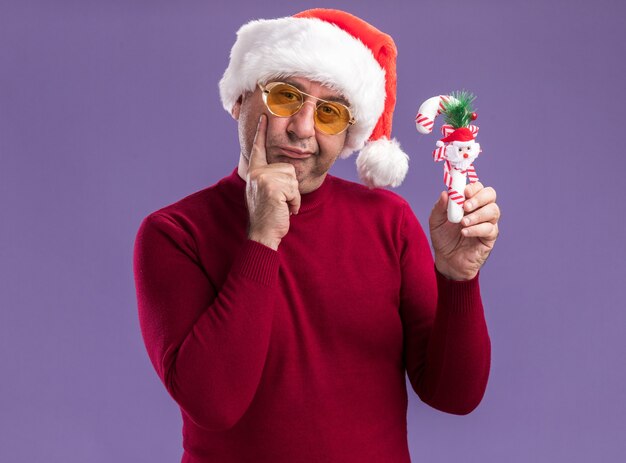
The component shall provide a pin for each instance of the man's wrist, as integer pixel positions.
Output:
(269, 242)
(452, 275)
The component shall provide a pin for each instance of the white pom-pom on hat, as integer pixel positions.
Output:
(382, 163)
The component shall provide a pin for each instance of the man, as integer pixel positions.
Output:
(282, 306)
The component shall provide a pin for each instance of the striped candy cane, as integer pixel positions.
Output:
(449, 174)
(454, 179)
(429, 110)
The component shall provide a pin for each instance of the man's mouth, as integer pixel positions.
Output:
(294, 153)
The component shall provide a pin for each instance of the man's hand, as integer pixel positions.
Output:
(271, 192)
(462, 248)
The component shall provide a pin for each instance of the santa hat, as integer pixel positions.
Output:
(339, 51)
(460, 134)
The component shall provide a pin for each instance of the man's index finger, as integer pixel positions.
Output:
(258, 157)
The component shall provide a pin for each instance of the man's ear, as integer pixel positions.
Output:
(237, 108)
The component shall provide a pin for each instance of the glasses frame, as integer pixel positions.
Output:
(265, 90)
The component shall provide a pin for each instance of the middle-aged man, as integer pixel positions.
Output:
(282, 306)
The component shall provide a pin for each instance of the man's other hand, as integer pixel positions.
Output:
(272, 193)
(462, 248)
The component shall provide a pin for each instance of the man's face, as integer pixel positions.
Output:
(292, 139)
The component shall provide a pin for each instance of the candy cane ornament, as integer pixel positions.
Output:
(458, 147)
(429, 110)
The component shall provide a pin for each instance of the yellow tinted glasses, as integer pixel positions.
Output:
(284, 100)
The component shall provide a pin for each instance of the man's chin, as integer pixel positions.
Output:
(300, 165)
(307, 182)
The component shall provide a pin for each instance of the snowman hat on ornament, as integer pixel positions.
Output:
(341, 52)
(460, 134)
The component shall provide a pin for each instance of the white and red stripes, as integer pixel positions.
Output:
(454, 195)
(471, 174)
(425, 122)
(428, 112)
(439, 153)
(442, 100)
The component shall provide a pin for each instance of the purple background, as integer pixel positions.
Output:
(109, 110)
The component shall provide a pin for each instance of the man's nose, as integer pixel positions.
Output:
(465, 155)
(302, 124)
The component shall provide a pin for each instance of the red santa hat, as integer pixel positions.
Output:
(460, 134)
(342, 52)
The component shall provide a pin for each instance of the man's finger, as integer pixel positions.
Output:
(258, 156)
(283, 168)
(486, 231)
(480, 198)
(472, 188)
(439, 213)
(290, 191)
(488, 213)
(294, 202)
(442, 202)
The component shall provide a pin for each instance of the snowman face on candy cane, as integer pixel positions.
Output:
(461, 154)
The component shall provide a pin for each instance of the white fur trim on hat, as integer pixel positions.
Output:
(313, 49)
(382, 163)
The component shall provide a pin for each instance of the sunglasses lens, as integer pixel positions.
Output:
(331, 118)
(284, 100)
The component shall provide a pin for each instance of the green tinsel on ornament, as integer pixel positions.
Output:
(459, 113)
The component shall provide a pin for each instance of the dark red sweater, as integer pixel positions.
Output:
(299, 355)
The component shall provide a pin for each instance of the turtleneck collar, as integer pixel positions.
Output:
(235, 188)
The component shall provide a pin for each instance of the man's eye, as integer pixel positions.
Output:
(289, 95)
(328, 109)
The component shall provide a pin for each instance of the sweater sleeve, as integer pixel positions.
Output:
(446, 343)
(207, 346)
